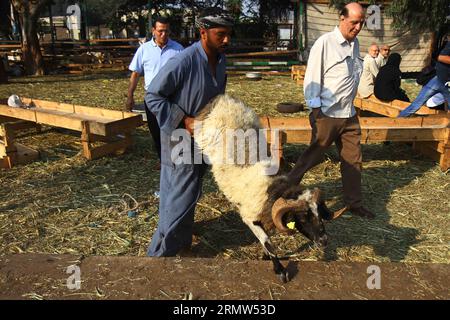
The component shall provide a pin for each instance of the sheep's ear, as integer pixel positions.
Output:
(326, 214)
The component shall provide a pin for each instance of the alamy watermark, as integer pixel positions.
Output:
(230, 147)
(73, 282)
(374, 280)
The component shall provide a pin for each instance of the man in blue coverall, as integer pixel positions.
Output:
(185, 85)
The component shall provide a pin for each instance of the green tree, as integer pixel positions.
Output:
(420, 15)
(417, 15)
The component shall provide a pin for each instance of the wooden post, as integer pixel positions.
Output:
(86, 140)
(444, 161)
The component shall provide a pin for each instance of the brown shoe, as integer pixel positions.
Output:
(362, 212)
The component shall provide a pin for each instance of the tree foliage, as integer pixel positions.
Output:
(419, 15)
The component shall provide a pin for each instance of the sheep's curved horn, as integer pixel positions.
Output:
(279, 208)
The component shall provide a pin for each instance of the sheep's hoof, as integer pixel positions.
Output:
(266, 257)
(284, 276)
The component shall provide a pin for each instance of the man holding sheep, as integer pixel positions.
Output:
(184, 87)
(331, 82)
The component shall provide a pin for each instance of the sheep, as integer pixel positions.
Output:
(264, 202)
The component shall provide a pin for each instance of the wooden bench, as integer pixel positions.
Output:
(432, 131)
(390, 109)
(87, 68)
(298, 73)
(437, 150)
(112, 128)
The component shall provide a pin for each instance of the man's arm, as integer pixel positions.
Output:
(134, 79)
(444, 59)
(168, 113)
(313, 76)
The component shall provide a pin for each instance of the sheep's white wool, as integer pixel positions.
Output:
(227, 117)
(244, 185)
(307, 196)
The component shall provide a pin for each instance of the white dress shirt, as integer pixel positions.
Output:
(370, 71)
(332, 75)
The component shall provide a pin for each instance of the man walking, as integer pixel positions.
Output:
(184, 87)
(331, 81)
(149, 59)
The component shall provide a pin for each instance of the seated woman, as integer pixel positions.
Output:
(388, 80)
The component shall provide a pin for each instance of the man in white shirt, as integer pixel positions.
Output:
(148, 60)
(383, 55)
(370, 71)
(331, 81)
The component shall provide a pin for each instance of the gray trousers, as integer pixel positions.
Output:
(180, 189)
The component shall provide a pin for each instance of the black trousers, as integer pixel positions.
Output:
(155, 131)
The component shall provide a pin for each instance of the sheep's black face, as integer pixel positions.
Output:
(311, 226)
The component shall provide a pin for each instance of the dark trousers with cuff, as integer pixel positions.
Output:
(346, 134)
(155, 130)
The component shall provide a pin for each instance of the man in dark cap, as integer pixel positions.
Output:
(185, 85)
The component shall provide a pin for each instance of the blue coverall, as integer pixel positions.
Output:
(185, 85)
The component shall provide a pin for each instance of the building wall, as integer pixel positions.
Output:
(415, 49)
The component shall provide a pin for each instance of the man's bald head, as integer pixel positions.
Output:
(385, 51)
(374, 50)
(351, 20)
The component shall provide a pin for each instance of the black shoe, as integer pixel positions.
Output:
(362, 212)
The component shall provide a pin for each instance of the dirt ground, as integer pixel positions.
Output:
(42, 276)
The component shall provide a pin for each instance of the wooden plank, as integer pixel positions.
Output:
(391, 109)
(101, 112)
(267, 73)
(7, 119)
(298, 130)
(7, 136)
(427, 150)
(26, 154)
(118, 126)
(21, 155)
(58, 119)
(97, 113)
(49, 105)
(411, 123)
(22, 125)
(262, 53)
(70, 116)
(109, 148)
(6, 162)
(401, 134)
(17, 113)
